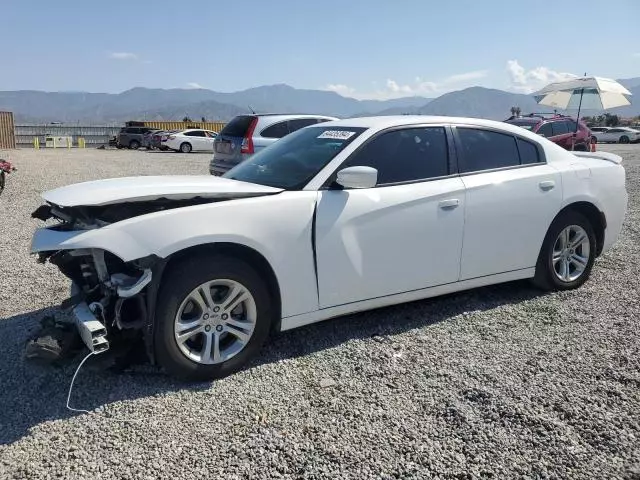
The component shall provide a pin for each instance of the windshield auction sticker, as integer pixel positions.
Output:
(337, 134)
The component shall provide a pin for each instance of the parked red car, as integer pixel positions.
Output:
(560, 129)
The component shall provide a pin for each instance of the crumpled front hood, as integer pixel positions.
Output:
(145, 188)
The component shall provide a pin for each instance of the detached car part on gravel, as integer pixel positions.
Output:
(335, 218)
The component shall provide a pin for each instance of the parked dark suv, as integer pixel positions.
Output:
(559, 129)
(132, 137)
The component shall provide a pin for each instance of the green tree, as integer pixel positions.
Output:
(186, 119)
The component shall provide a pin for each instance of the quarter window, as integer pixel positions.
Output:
(277, 130)
(405, 155)
(301, 123)
(485, 150)
(528, 152)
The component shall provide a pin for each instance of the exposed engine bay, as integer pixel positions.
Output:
(110, 298)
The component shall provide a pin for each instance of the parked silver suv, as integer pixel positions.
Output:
(247, 134)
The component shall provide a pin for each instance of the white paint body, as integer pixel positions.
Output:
(198, 143)
(372, 246)
(615, 135)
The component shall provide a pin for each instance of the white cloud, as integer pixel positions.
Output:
(194, 85)
(419, 87)
(528, 81)
(340, 89)
(123, 56)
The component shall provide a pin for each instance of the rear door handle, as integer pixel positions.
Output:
(449, 204)
(547, 185)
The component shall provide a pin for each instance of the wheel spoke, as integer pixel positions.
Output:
(239, 334)
(564, 270)
(182, 327)
(577, 240)
(565, 237)
(245, 325)
(207, 347)
(216, 348)
(557, 256)
(236, 296)
(187, 334)
(579, 261)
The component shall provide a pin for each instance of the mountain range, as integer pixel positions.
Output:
(173, 104)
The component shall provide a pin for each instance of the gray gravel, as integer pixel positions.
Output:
(500, 382)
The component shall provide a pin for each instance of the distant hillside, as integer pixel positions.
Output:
(173, 104)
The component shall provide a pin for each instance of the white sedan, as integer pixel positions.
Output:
(335, 218)
(193, 140)
(618, 135)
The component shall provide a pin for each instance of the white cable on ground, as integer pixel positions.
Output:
(80, 410)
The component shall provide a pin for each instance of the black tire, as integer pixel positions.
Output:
(624, 139)
(177, 284)
(134, 144)
(185, 147)
(545, 275)
(2, 180)
(594, 139)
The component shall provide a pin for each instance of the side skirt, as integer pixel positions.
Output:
(296, 321)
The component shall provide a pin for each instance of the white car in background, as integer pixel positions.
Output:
(618, 135)
(332, 219)
(192, 140)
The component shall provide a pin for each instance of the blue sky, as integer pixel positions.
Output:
(365, 49)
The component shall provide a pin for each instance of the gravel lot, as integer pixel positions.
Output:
(500, 382)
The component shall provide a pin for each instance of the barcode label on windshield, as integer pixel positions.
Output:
(337, 134)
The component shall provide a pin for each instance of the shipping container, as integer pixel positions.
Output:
(7, 130)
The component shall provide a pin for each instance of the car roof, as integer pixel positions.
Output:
(384, 122)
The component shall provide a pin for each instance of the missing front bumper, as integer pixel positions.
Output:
(91, 330)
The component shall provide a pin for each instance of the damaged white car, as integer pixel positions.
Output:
(336, 218)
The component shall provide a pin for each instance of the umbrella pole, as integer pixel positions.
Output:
(575, 134)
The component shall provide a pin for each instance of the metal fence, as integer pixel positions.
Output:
(93, 135)
(7, 138)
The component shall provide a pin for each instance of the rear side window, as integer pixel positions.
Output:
(571, 125)
(560, 128)
(301, 123)
(528, 152)
(238, 126)
(195, 133)
(485, 150)
(277, 130)
(545, 130)
(405, 155)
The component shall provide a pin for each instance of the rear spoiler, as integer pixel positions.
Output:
(609, 157)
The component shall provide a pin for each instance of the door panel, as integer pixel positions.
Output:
(385, 240)
(507, 216)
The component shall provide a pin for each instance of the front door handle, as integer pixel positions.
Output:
(547, 185)
(449, 204)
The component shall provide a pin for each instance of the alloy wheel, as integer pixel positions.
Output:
(571, 253)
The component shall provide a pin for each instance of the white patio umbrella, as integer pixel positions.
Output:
(593, 93)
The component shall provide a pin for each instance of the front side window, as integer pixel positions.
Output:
(545, 130)
(405, 155)
(559, 128)
(292, 162)
(485, 150)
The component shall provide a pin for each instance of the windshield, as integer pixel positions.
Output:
(291, 162)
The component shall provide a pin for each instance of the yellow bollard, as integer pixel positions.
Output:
(36, 143)
(69, 142)
(54, 142)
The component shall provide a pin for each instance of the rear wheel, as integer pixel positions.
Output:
(624, 139)
(185, 147)
(134, 144)
(214, 314)
(567, 254)
(2, 178)
(594, 139)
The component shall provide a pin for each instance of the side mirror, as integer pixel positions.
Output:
(357, 177)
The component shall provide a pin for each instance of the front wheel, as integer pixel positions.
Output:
(134, 144)
(567, 254)
(2, 180)
(624, 139)
(214, 314)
